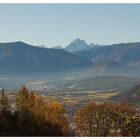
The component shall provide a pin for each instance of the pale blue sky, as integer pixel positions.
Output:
(59, 24)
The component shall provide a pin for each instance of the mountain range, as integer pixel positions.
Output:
(19, 57)
(120, 57)
(127, 54)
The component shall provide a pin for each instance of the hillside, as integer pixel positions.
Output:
(123, 58)
(132, 96)
(18, 57)
(120, 83)
(125, 53)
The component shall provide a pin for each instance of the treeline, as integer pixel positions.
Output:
(33, 116)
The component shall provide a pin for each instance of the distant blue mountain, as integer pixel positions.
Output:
(57, 47)
(77, 45)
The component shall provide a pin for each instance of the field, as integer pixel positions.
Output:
(73, 98)
(76, 98)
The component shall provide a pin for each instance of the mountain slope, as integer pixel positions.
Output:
(127, 54)
(121, 58)
(110, 67)
(132, 96)
(120, 83)
(20, 57)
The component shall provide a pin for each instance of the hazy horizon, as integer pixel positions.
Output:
(42, 45)
(59, 24)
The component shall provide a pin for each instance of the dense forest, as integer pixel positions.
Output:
(33, 116)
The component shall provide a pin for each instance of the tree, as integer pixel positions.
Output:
(93, 120)
(22, 99)
(33, 113)
(4, 102)
(56, 114)
(108, 119)
(5, 114)
(123, 115)
(133, 126)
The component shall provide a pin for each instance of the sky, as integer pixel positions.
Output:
(59, 24)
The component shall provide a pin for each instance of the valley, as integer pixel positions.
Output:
(71, 77)
(72, 100)
(69, 69)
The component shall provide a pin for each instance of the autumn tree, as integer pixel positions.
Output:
(36, 117)
(133, 125)
(93, 120)
(22, 99)
(124, 118)
(56, 114)
(108, 119)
